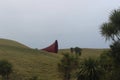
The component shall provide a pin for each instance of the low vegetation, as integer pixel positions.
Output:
(5, 69)
(28, 62)
(67, 66)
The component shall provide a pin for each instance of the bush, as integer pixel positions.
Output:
(5, 69)
(67, 65)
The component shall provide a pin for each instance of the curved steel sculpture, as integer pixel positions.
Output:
(52, 48)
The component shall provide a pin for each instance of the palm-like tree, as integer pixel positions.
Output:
(107, 31)
(111, 30)
(115, 18)
(89, 70)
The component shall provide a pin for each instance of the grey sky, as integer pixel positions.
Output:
(37, 23)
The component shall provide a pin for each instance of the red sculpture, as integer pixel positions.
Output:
(52, 48)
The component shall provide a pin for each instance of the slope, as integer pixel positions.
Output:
(29, 62)
(6, 42)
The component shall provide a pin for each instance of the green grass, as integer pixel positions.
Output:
(86, 52)
(7, 42)
(29, 62)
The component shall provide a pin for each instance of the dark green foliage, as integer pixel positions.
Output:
(111, 31)
(107, 64)
(67, 65)
(5, 69)
(71, 50)
(115, 18)
(80, 76)
(90, 70)
(106, 61)
(115, 55)
(115, 52)
(77, 50)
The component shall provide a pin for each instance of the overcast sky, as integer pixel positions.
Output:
(38, 23)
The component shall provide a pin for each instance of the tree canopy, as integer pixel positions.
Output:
(111, 29)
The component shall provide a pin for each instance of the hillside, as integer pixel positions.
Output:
(29, 62)
(6, 42)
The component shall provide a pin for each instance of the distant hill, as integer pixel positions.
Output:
(7, 42)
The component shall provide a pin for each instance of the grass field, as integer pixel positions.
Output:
(86, 52)
(29, 62)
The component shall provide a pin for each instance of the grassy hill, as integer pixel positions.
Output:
(6, 42)
(29, 62)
